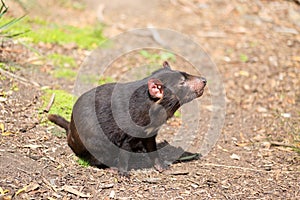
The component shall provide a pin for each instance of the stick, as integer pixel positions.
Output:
(70, 189)
(21, 79)
(282, 144)
(47, 109)
(10, 50)
(233, 167)
(49, 184)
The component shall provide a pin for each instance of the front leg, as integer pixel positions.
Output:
(125, 154)
(123, 163)
(150, 146)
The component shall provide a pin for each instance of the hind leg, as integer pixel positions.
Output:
(95, 162)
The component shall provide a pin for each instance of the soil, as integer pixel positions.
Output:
(256, 47)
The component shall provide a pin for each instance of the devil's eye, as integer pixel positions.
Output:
(182, 81)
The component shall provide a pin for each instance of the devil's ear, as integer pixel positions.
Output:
(155, 88)
(166, 65)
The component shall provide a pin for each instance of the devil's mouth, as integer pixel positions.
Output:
(200, 92)
(192, 96)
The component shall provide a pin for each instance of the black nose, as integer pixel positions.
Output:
(203, 80)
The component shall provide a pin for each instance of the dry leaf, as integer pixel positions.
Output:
(2, 99)
(219, 147)
(31, 187)
(235, 157)
(107, 186)
(28, 188)
(209, 107)
(70, 189)
(261, 109)
(19, 191)
(152, 180)
(296, 58)
(2, 127)
(7, 133)
(3, 191)
(286, 115)
(244, 73)
(266, 145)
(112, 194)
(242, 136)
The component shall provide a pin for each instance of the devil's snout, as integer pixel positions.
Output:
(203, 80)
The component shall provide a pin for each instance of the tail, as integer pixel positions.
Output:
(60, 121)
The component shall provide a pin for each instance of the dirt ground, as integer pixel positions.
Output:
(256, 47)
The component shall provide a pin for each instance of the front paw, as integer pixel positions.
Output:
(160, 167)
(124, 174)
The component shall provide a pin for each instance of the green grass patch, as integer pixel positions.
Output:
(296, 149)
(63, 103)
(62, 60)
(83, 162)
(88, 79)
(9, 67)
(65, 73)
(254, 44)
(14, 87)
(156, 57)
(152, 58)
(62, 106)
(177, 114)
(106, 79)
(2, 78)
(95, 80)
(64, 66)
(38, 30)
(4, 26)
(76, 5)
(244, 58)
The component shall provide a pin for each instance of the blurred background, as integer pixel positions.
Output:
(255, 45)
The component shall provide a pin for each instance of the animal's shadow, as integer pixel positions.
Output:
(168, 154)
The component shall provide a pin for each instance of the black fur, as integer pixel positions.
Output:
(127, 115)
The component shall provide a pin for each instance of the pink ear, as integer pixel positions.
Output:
(155, 88)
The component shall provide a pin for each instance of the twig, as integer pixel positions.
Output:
(154, 34)
(156, 37)
(107, 186)
(286, 30)
(233, 167)
(70, 189)
(282, 145)
(192, 181)
(10, 50)
(49, 185)
(177, 173)
(47, 109)
(21, 79)
(247, 168)
(22, 170)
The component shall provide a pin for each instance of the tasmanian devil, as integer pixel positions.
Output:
(113, 120)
